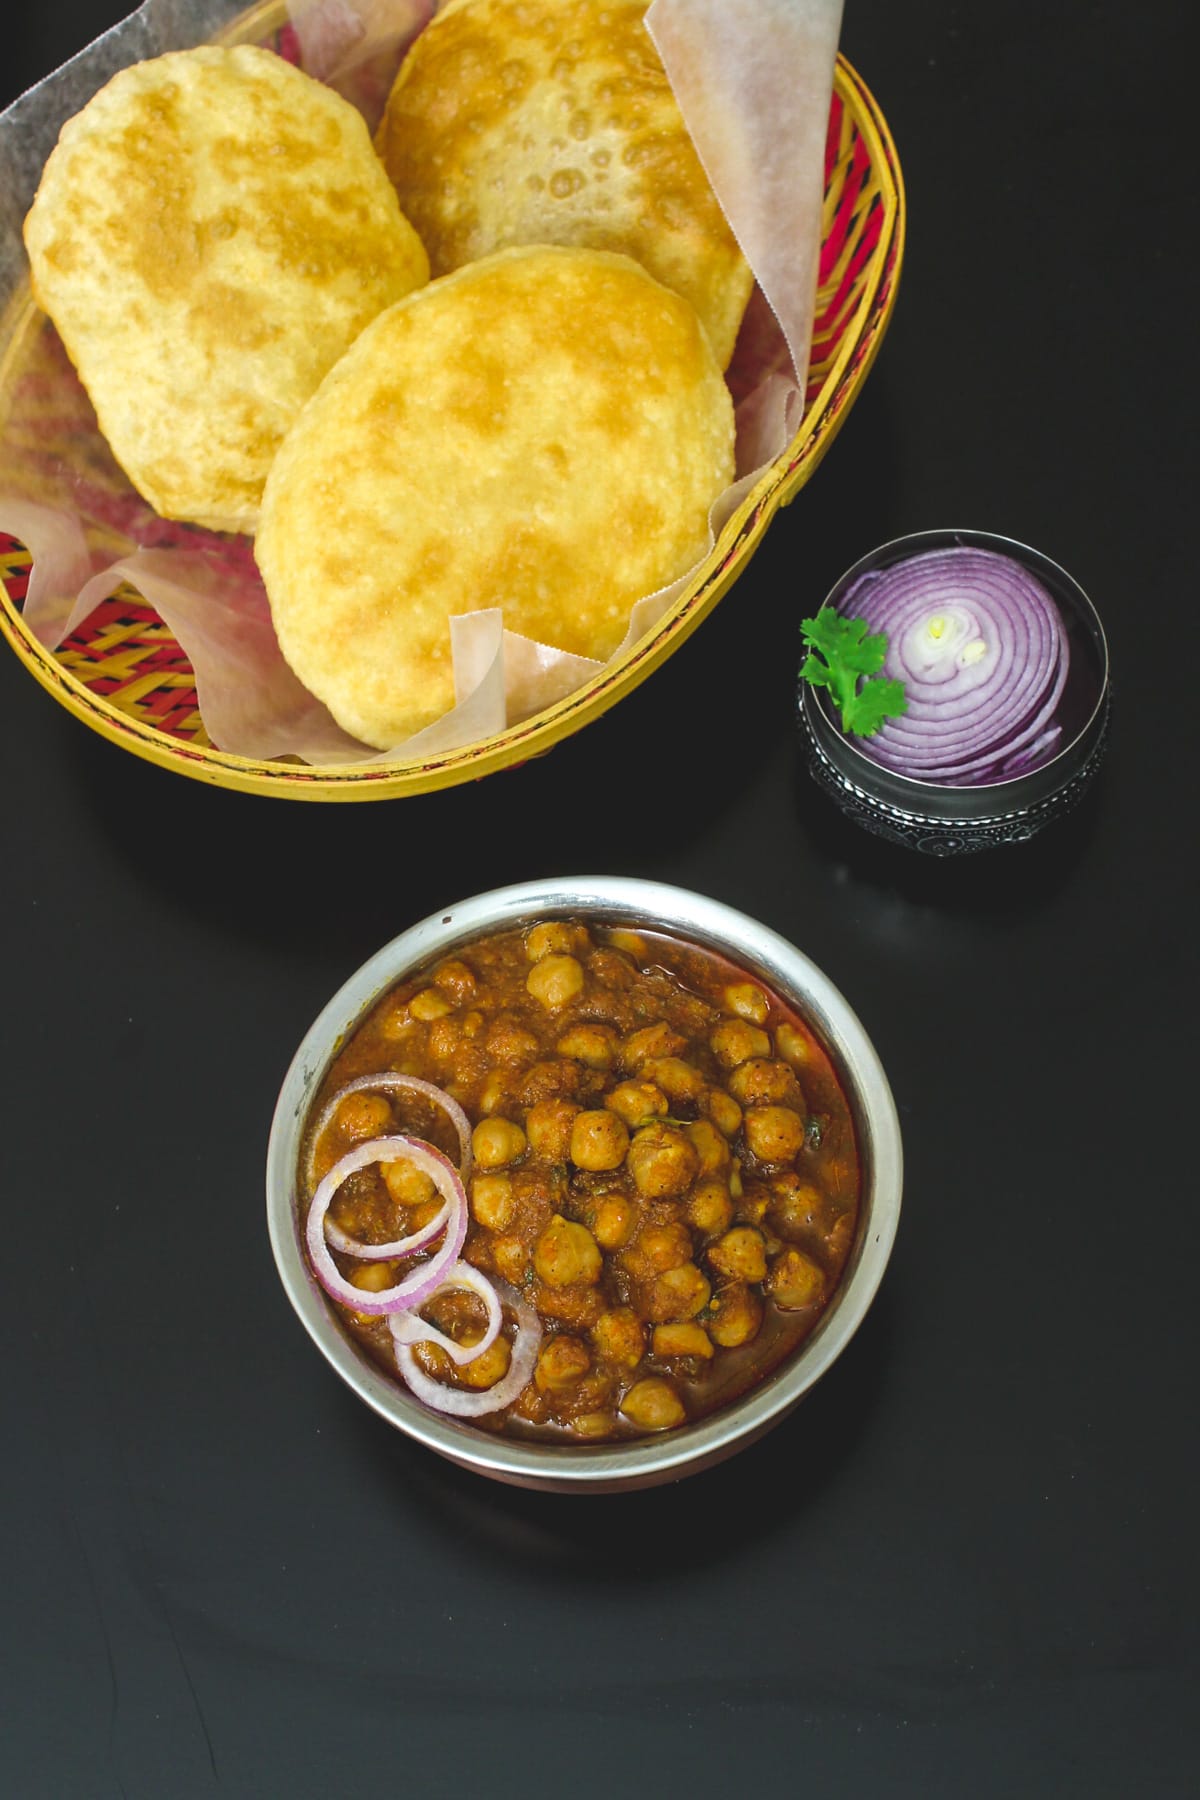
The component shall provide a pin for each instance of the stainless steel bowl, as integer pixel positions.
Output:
(953, 821)
(599, 1468)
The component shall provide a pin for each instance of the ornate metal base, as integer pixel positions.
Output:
(943, 837)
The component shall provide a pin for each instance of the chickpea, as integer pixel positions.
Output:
(631, 942)
(444, 1036)
(429, 1004)
(662, 1162)
(754, 1203)
(548, 1128)
(497, 1141)
(472, 1024)
(637, 1102)
(613, 1223)
(553, 937)
(407, 1185)
(455, 979)
(775, 1134)
(740, 1254)
(373, 1277)
(564, 1360)
(709, 1207)
(363, 1116)
(554, 1080)
(747, 1001)
(619, 1337)
(677, 1079)
(797, 1206)
(599, 1141)
(393, 1022)
(665, 1247)
(733, 1042)
(653, 1404)
(566, 1254)
(555, 981)
(709, 1146)
(795, 1282)
(576, 1308)
(511, 1257)
(687, 1339)
(793, 1046)
(594, 1425)
(508, 1042)
(651, 1040)
(593, 1045)
(489, 1368)
(737, 1316)
(679, 1294)
(761, 1082)
(496, 1091)
(493, 1201)
(724, 1111)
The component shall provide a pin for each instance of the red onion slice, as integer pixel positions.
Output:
(391, 1081)
(416, 1287)
(411, 1328)
(337, 1239)
(467, 1404)
(982, 651)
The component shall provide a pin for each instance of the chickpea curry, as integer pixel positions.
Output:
(655, 1170)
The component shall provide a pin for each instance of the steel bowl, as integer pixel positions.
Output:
(652, 906)
(935, 817)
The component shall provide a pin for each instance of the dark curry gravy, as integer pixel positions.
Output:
(665, 1167)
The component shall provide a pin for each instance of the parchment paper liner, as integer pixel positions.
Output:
(753, 79)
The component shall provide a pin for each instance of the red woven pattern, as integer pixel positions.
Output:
(124, 653)
(851, 224)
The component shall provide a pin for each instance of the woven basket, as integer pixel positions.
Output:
(124, 675)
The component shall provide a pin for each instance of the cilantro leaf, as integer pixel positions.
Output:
(841, 654)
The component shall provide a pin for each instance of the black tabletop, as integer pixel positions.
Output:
(967, 1564)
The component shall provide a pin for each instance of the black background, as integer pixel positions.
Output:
(967, 1565)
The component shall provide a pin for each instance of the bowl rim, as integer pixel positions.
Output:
(732, 550)
(874, 778)
(755, 947)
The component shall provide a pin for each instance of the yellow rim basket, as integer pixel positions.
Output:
(125, 677)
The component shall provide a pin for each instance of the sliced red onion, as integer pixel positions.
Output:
(424, 1280)
(337, 1239)
(982, 651)
(466, 1403)
(391, 1081)
(411, 1328)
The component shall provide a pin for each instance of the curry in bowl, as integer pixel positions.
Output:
(579, 1183)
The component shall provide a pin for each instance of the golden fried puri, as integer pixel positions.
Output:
(552, 122)
(543, 431)
(212, 231)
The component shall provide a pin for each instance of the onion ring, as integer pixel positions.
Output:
(392, 1081)
(337, 1239)
(470, 1405)
(411, 1328)
(425, 1279)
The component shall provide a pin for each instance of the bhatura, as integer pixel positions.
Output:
(212, 231)
(553, 122)
(543, 431)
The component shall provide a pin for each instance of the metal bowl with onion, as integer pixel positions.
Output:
(951, 819)
(651, 906)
